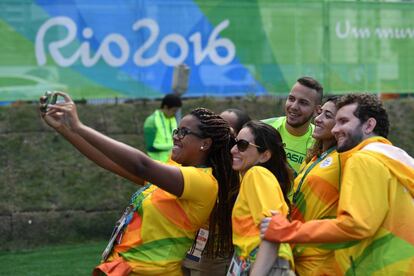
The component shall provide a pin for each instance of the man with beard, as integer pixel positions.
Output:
(302, 104)
(373, 230)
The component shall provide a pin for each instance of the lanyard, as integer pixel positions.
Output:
(320, 158)
(138, 196)
(136, 201)
(126, 218)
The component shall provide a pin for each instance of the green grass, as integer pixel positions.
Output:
(67, 198)
(79, 259)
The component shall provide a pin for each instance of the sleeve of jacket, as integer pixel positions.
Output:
(363, 205)
(150, 131)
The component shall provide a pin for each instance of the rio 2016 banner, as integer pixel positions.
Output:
(129, 49)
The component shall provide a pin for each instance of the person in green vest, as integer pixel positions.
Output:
(303, 103)
(158, 128)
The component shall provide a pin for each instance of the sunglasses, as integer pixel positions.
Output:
(242, 145)
(182, 132)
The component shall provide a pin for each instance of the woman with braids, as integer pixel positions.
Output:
(316, 193)
(200, 262)
(260, 158)
(161, 221)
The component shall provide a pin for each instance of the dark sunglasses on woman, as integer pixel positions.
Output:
(242, 145)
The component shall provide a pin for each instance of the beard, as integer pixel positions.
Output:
(300, 123)
(354, 139)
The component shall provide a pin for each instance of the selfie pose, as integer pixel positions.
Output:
(161, 220)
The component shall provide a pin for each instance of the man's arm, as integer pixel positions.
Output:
(363, 205)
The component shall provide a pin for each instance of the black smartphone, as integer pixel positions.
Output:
(51, 98)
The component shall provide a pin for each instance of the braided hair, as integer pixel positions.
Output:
(219, 158)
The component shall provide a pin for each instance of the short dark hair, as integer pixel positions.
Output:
(368, 106)
(311, 83)
(242, 117)
(171, 100)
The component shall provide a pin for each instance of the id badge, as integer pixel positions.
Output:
(199, 244)
(235, 268)
(119, 227)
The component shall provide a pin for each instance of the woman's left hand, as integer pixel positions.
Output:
(63, 113)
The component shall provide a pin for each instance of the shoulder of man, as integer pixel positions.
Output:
(150, 120)
(388, 151)
(275, 122)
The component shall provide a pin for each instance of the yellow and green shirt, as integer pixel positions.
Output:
(163, 228)
(259, 194)
(373, 232)
(316, 191)
(296, 146)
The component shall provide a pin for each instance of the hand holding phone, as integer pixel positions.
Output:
(50, 98)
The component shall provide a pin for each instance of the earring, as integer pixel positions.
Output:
(201, 147)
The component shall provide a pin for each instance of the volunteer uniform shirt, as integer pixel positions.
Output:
(158, 135)
(316, 191)
(162, 230)
(375, 213)
(296, 146)
(259, 194)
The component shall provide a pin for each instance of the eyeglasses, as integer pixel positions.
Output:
(242, 145)
(182, 132)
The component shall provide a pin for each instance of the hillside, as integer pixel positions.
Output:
(51, 193)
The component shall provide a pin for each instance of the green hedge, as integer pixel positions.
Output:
(50, 193)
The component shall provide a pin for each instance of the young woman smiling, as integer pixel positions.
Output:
(162, 218)
(316, 193)
(198, 262)
(260, 158)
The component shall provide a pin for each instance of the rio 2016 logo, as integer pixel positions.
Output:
(88, 59)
